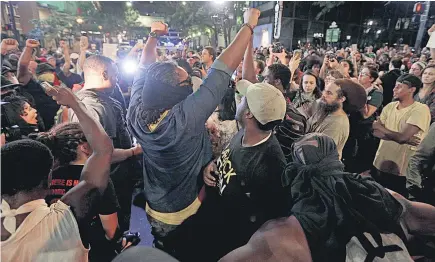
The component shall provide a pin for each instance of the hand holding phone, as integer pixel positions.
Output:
(297, 54)
(49, 89)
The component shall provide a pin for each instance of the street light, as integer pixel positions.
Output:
(370, 22)
(219, 2)
(79, 20)
(129, 4)
(184, 3)
(378, 32)
(100, 27)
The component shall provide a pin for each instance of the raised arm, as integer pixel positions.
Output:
(184, 52)
(149, 53)
(324, 68)
(7, 45)
(95, 173)
(200, 105)
(248, 72)
(84, 44)
(65, 51)
(24, 74)
(135, 49)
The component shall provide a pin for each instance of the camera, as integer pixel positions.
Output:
(331, 57)
(12, 133)
(277, 47)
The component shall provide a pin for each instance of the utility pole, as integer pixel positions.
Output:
(12, 20)
(422, 28)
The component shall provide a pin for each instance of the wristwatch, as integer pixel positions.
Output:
(153, 35)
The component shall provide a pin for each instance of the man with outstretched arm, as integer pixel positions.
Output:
(168, 120)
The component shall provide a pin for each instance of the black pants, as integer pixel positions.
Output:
(390, 181)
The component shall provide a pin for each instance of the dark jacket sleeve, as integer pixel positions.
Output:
(423, 161)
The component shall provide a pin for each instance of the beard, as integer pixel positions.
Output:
(326, 109)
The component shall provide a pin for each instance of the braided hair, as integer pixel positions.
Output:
(63, 141)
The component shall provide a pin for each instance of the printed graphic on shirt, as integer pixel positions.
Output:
(59, 187)
(225, 170)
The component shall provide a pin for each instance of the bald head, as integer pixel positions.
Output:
(100, 72)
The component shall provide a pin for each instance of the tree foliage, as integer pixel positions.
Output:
(113, 17)
(326, 7)
(207, 17)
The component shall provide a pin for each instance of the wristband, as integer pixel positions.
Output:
(250, 27)
(153, 35)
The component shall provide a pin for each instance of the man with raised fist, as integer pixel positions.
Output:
(168, 120)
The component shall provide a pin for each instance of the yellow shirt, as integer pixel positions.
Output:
(393, 157)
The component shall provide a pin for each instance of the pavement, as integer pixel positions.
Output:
(139, 223)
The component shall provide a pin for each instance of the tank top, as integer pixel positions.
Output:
(46, 234)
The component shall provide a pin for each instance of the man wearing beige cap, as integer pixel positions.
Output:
(245, 182)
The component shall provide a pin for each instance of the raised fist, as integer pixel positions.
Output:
(9, 44)
(251, 16)
(84, 44)
(63, 44)
(159, 28)
(32, 43)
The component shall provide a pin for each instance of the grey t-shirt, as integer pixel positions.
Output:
(336, 127)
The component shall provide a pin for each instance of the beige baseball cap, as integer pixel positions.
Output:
(265, 101)
(74, 56)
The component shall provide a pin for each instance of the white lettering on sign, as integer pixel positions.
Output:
(278, 18)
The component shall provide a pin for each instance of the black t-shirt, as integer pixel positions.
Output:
(45, 105)
(69, 81)
(248, 192)
(66, 177)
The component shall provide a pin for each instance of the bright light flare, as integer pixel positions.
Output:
(129, 4)
(129, 66)
(219, 2)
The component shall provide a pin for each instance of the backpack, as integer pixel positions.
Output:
(364, 248)
(290, 129)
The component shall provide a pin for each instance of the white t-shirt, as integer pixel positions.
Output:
(48, 234)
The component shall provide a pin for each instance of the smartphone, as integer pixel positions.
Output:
(354, 47)
(48, 87)
(297, 53)
(332, 57)
(140, 41)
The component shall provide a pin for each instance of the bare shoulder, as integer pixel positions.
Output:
(277, 240)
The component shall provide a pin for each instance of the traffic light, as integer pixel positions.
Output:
(418, 8)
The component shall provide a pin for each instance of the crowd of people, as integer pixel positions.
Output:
(242, 153)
